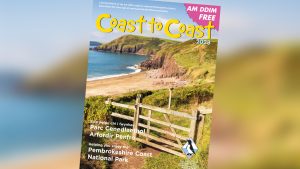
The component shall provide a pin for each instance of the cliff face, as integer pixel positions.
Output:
(154, 63)
(172, 58)
(167, 65)
(187, 59)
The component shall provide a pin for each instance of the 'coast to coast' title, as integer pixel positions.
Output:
(138, 25)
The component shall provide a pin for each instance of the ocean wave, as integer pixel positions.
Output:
(135, 68)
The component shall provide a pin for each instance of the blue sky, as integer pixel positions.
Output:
(34, 33)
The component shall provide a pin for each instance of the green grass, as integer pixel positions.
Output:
(199, 161)
(148, 45)
(198, 61)
(163, 161)
(96, 109)
(184, 99)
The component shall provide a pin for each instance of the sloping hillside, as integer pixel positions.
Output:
(136, 44)
(188, 59)
(173, 59)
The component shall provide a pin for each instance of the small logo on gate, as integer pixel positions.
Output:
(190, 148)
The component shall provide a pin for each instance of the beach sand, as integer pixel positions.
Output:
(128, 83)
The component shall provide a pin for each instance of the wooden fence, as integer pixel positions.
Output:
(171, 146)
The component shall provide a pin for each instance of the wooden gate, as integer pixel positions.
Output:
(174, 147)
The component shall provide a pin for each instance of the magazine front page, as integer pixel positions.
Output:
(150, 85)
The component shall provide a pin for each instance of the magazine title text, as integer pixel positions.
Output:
(173, 28)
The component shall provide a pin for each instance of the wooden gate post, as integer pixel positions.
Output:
(170, 98)
(136, 116)
(148, 124)
(203, 112)
(200, 127)
(193, 126)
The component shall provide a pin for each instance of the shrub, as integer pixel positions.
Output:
(96, 109)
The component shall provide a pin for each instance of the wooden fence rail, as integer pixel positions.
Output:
(168, 145)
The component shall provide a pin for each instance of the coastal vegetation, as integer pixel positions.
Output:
(187, 59)
(184, 99)
(136, 44)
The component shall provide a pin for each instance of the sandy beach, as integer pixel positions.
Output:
(128, 83)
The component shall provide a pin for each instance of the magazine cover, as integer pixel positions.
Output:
(150, 85)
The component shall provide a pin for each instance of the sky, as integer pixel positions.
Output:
(35, 34)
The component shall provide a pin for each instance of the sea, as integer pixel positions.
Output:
(102, 65)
